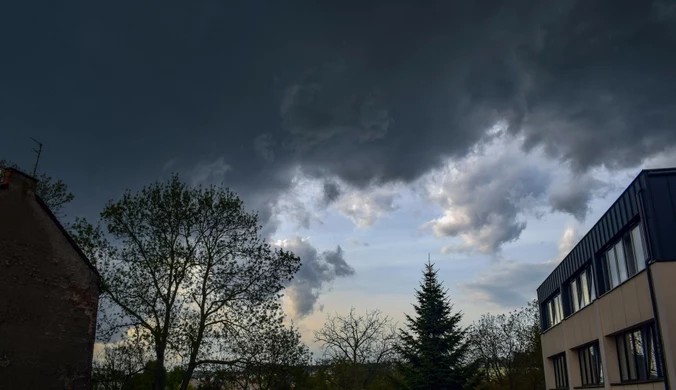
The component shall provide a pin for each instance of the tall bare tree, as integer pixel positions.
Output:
(188, 266)
(368, 338)
(359, 345)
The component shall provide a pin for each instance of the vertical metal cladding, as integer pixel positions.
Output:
(659, 192)
(662, 198)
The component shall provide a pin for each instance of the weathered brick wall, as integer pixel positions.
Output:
(48, 300)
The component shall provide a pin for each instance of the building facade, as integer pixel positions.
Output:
(608, 310)
(49, 295)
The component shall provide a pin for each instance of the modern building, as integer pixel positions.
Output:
(608, 310)
(49, 295)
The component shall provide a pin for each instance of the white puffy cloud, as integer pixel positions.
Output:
(485, 196)
(365, 207)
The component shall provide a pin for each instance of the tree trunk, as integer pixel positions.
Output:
(188, 375)
(159, 369)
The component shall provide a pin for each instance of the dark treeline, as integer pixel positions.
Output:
(191, 298)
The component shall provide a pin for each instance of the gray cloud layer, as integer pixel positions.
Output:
(511, 283)
(316, 271)
(594, 87)
(366, 93)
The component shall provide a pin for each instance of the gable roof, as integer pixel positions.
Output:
(4, 184)
(67, 235)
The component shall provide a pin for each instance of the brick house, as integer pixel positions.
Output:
(49, 294)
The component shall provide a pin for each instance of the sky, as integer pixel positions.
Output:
(488, 135)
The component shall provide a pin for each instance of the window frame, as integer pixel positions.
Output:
(629, 358)
(591, 372)
(554, 310)
(581, 289)
(560, 371)
(623, 258)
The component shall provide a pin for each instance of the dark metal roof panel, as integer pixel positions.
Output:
(615, 218)
(660, 191)
(661, 205)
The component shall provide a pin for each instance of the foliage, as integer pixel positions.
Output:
(54, 192)
(188, 267)
(273, 357)
(434, 348)
(345, 375)
(508, 346)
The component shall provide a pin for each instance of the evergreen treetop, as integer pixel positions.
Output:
(434, 348)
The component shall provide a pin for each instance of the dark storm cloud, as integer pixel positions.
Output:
(573, 196)
(331, 192)
(368, 92)
(591, 82)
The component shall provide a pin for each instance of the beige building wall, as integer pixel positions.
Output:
(621, 308)
(664, 283)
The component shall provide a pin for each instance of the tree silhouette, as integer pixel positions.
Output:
(434, 348)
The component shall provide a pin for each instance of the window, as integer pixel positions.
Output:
(560, 372)
(638, 353)
(638, 251)
(582, 289)
(625, 258)
(590, 365)
(554, 310)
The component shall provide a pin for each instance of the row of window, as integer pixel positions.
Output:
(638, 355)
(620, 262)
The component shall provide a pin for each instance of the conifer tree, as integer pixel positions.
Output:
(434, 348)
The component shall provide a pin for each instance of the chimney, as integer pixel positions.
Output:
(17, 180)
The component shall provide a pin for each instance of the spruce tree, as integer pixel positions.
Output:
(434, 349)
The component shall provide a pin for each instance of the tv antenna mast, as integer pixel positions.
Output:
(38, 151)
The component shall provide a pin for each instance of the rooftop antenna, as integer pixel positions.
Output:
(38, 151)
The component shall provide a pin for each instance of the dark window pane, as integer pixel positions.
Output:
(584, 286)
(641, 361)
(560, 374)
(592, 365)
(631, 355)
(629, 254)
(639, 254)
(551, 313)
(639, 354)
(583, 366)
(653, 369)
(574, 295)
(559, 308)
(622, 356)
(621, 261)
(599, 364)
(612, 268)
